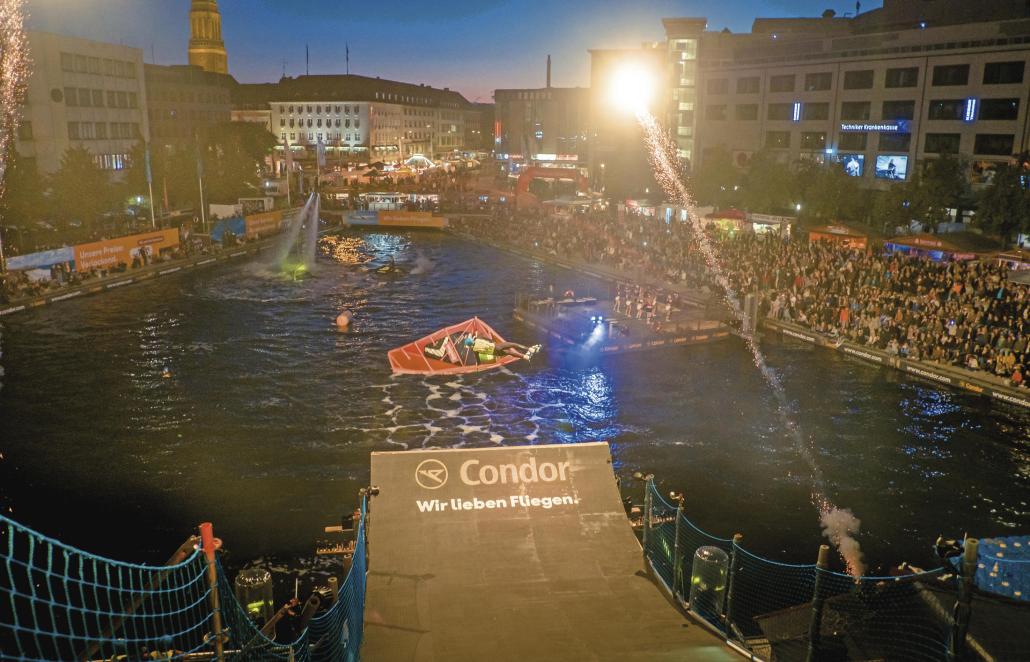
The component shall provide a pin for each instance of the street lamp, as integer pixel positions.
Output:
(798, 207)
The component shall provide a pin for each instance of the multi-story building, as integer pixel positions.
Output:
(880, 92)
(548, 120)
(183, 101)
(358, 118)
(479, 127)
(82, 93)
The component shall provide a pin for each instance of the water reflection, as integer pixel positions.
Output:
(267, 420)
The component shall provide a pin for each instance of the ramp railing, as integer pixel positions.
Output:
(61, 603)
(782, 611)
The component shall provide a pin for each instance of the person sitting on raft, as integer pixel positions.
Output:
(488, 348)
(444, 350)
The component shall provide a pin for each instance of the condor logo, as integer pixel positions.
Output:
(431, 474)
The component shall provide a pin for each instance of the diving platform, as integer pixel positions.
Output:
(592, 326)
(513, 553)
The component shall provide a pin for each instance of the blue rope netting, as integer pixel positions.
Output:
(766, 606)
(61, 603)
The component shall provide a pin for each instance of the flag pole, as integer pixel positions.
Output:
(150, 184)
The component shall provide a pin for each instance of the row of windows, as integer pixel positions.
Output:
(330, 137)
(102, 130)
(111, 161)
(83, 64)
(87, 98)
(156, 93)
(173, 115)
(317, 110)
(934, 143)
(994, 73)
(938, 109)
(318, 123)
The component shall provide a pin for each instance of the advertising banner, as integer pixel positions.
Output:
(122, 250)
(263, 225)
(41, 259)
(234, 225)
(410, 219)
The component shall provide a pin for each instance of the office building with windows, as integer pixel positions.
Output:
(81, 93)
(183, 102)
(547, 120)
(358, 118)
(879, 93)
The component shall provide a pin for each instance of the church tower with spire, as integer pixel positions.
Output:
(207, 50)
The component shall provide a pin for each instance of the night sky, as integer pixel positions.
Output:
(473, 46)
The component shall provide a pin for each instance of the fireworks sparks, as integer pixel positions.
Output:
(838, 524)
(14, 69)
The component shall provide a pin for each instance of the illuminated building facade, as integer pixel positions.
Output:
(361, 119)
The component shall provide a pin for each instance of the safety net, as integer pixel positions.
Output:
(61, 603)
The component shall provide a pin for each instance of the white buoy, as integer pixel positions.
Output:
(343, 320)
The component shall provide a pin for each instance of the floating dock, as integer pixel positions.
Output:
(591, 326)
(513, 553)
(401, 220)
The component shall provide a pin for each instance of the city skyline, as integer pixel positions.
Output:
(418, 43)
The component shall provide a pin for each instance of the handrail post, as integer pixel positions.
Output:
(815, 626)
(210, 545)
(646, 518)
(730, 583)
(334, 588)
(677, 562)
(963, 606)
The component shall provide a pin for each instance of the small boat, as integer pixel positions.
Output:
(456, 358)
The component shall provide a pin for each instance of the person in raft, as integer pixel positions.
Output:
(444, 350)
(487, 348)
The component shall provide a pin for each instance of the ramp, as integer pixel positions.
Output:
(513, 553)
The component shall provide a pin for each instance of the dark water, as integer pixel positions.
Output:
(266, 423)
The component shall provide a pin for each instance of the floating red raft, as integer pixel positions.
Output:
(411, 359)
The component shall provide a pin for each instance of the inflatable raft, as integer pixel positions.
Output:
(447, 353)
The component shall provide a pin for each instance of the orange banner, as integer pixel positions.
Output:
(411, 219)
(264, 224)
(122, 250)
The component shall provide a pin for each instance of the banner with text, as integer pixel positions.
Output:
(264, 225)
(122, 250)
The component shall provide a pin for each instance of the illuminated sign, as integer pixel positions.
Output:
(887, 126)
(796, 115)
(970, 114)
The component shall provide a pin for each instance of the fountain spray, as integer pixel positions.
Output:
(14, 70)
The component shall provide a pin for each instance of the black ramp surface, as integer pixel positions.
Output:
(512, 553)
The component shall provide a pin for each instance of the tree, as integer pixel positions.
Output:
(1004, 206)
(768, 185)
(81, 190)
(717, 183)
(828, 193)
(892, 208)
(941, 186)
(22, 198)
(233, 153)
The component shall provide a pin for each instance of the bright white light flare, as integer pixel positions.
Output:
(631, 88)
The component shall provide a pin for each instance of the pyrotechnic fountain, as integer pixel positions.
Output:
(291, 240)
(14, 68)
(630, 92)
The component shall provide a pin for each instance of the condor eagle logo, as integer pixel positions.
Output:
(431, 474)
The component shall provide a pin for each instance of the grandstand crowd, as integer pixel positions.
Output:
(963, 314)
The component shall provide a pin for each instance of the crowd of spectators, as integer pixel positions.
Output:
(961, 314)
